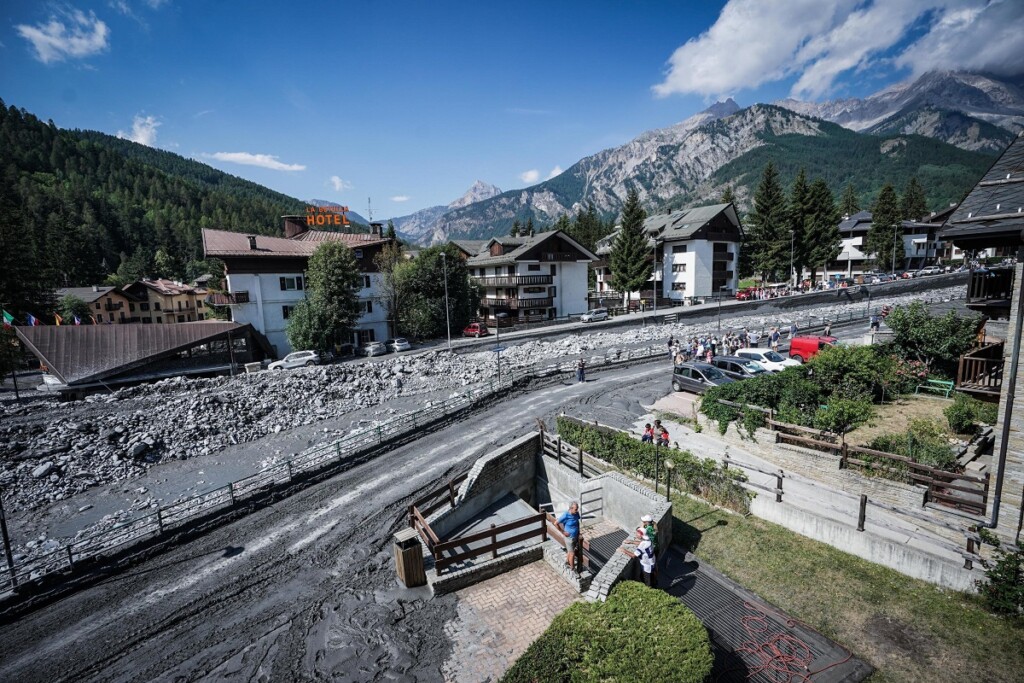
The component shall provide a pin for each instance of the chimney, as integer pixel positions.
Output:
(376, 229)
(95, 288)
(252, 242)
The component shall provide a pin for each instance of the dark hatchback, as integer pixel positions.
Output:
(738, 368)
(697, 377)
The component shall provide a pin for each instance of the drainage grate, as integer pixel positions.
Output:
(603, 547)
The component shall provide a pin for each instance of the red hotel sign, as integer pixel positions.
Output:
(326, 215)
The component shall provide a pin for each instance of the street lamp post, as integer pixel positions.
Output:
(720, 306)
(792, 271)
(447, 310)
(894, 229)
(498, 317)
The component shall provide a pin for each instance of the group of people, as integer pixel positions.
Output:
(704, 348)
(643, 546)
(656, 433)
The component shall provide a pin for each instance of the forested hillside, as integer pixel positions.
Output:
(77, 206)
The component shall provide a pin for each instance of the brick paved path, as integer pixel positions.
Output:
(499, 618)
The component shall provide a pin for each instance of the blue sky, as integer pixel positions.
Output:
(410, 102)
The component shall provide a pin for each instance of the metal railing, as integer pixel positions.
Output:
(512, 280)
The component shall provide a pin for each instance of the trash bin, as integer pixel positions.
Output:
(409, 558)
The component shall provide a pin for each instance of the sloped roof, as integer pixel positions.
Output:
(225, 243)
(168, 287)
(86, 353)
(86, 294)
(471, 247)
(678, 225)
(520, 246)
(992, 214)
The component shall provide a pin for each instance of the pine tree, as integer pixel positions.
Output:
(798, 210)
(913, 205)
(563, 223)
(728, 197)
(848, 204)
(768, 236)
(628, 259)
(821, 227)
(516, 229)
(390, 233)
(884, 237)
(528, 231)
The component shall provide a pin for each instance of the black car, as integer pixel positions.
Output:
(738, 368)
(697, 377)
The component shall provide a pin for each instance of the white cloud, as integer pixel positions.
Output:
(71, 34)
(400, 198)
(143, 130)
(261, 160)
(557, 170)
(338, 184)
(531, 176)
(817, 41)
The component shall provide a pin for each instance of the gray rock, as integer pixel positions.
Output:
(138, 449)
(42, 470)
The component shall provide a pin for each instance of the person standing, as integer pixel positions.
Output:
(874, 323)
(569, 525)
(581, 371)
(670, 342)
(645, 553)
(828, 328)
(775, 336)
(792, 330)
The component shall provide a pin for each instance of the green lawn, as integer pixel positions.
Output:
(909, 630)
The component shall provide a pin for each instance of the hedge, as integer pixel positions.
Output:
(701, 476)
(639, 634)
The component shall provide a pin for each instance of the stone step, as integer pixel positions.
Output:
(555, 556)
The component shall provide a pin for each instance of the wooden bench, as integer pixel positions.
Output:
(939, 386)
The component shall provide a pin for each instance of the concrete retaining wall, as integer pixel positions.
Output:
(903, 558)
(557, 485)
(623, 501)
(508, 469)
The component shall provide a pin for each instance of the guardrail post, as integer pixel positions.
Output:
(863, 512)
(451, 494)
(288, 468)
(544, 528)
(412, 517)
(337, 449)
(71, 561)
(580, 453)
(160, 518)
(778, 486)
(379, 438)
(231, 493)
(984, 494)
(968, 563)
(559, 450)
(842, 456)
(494, 543)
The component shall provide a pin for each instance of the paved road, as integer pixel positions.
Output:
(302, 590)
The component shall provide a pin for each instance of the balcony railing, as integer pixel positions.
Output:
(518, 304)
(990, 288)
(227, 299)
(512, 280)
(114, 307)
(722, 256)
(981, 370)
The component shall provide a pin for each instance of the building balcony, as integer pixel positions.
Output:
(512, 280)
(514, 304)
(227, 299)
(990, 292)
(114, 307)
(981, 371)
(722, 256)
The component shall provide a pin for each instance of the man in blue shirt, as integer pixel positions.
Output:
(569, 524)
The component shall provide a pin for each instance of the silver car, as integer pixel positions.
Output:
(296, 359)
(375, 348)
(594, 315)
(398, 344)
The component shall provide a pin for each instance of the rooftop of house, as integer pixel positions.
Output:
(86, 294)
(223, 243)
(677, 225)
(515, 248)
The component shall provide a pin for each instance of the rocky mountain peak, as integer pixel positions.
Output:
(477, 192)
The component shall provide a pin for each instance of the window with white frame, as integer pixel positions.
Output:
(291, 283)
(678, 267)
(679, 249)
(366, 306)
(678, 286)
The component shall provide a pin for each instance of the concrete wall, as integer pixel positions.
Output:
(902, 557)
(511, 468)
(623, 501)
(571, 295)
(557, 485)
(1009, 525)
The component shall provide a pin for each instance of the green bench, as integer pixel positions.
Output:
(939, 386)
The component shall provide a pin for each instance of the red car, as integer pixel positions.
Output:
(802, 349)
(476, 330)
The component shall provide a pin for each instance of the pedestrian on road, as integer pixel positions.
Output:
(569, 525)
(792, 330)
(670, 343)
(874, 323)
(828, 328)
(581, 371)
(775, 336)
(754, 338)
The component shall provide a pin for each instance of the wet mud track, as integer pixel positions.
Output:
(302, 590)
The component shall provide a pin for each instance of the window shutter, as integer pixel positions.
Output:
(283, 286)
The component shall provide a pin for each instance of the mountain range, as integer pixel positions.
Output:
(943, 127)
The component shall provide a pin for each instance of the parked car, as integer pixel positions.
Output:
(476, 330)
(804, 348)
(768, 359)
(929, 270)
(375, 348)
(296, 359)
(398, 344)
(738, 368)
(594, 315)
(697, 377)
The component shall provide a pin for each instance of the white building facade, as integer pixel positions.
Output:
(542, 277)
(266, 279)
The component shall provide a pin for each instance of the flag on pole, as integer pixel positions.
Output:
(57, 319)
(8, 319)
(78, 321)
(93, 319)
(32, 320)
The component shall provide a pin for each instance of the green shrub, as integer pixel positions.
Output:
(965, 413)
(639, 634)
(1003, 592)
(700, 476)
(925, 442)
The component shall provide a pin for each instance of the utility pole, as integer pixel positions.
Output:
(895, 228)
(792, 271)
(447, 309)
